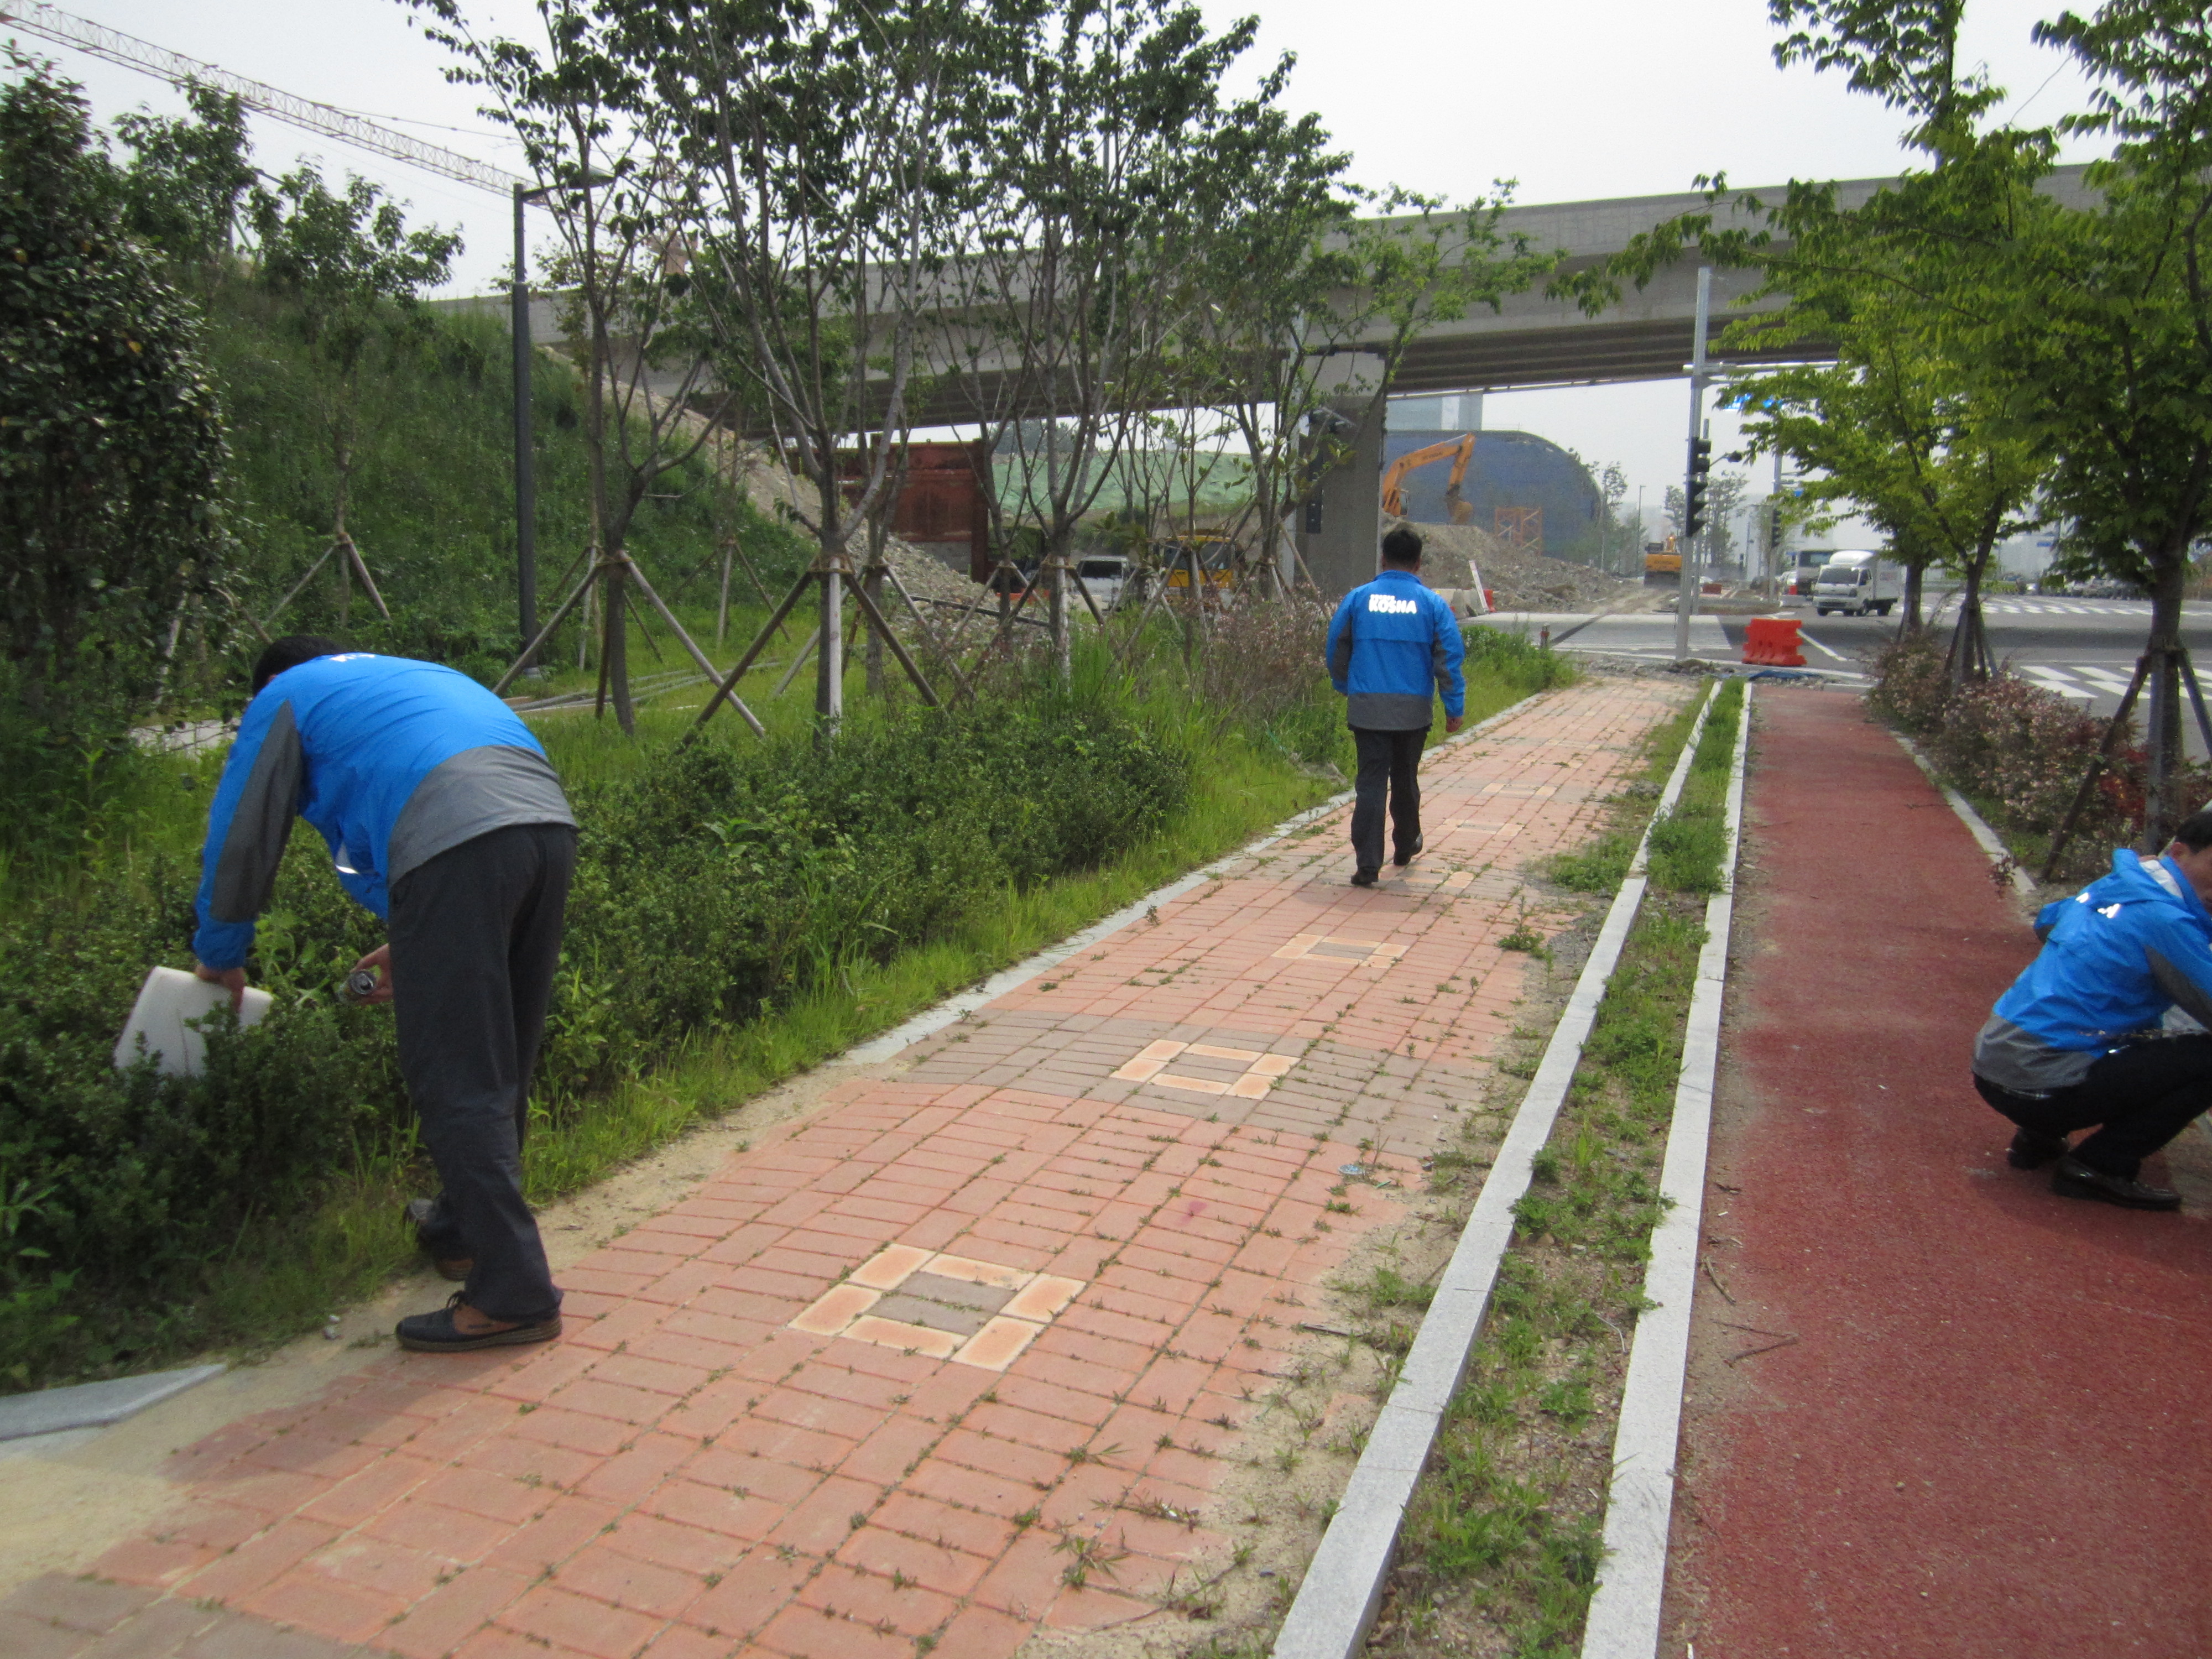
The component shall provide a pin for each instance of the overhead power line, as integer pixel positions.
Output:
(52, 23)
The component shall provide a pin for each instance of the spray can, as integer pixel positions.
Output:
(357, 988)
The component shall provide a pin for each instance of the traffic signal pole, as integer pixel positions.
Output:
(1693, 476)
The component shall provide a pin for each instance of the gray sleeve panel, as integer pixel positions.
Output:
(1340, 662)
(2188, 995)
(471, 795)
(2015, 1058)
(245, 870)
(1389, 711)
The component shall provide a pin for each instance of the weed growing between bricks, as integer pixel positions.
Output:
(1502, 1544)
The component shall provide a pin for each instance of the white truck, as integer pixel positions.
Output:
(1855, 584)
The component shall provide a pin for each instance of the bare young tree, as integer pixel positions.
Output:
(1072, 284)
(823, 144)
(582, 104)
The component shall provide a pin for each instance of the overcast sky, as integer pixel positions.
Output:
(1573, 100)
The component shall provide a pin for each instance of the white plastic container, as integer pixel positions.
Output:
(166, 1002)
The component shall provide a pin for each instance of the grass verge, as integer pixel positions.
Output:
(1502, 1544)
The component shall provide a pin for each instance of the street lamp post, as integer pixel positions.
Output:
(526, 468)
(525, 475)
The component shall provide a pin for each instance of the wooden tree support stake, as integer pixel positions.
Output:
(2097, 764)
(760, 644)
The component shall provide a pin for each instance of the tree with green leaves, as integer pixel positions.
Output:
(584, 102)
(2082, 334)
(1109, 132)
(354, 271)
(112, 447)
(1890, 434)
(1273, 261)
(1367, 285)
(188, 178)
(1907, 425)
(2099, 339)
(826, 144)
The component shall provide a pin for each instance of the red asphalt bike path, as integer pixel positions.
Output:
(1989, 1437)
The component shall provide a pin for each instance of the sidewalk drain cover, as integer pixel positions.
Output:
(1376, 953)
(949, 1307)
(1205, 1068)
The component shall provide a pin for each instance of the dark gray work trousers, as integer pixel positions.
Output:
(1390, 764)
(2144, 1094)
(475, 935)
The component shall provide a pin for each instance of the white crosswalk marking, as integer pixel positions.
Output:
(2095, 680)
(2050, 607)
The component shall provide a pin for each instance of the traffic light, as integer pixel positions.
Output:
(1693, 504)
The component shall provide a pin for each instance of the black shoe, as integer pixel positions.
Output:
(1365, 874)
(2031, 1149)
(2075, 1179)
(435, 1333)
(439, 1241)
(1401, 860)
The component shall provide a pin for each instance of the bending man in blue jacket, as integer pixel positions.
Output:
(2078, 1040)
(443, 815)
(1392, 644)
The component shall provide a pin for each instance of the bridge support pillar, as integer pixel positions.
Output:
(1339, 528)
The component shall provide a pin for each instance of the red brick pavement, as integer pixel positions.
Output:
(877, 1379)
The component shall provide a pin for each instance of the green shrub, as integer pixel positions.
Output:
(112, 452)
(2019, 750)
(1518, 660)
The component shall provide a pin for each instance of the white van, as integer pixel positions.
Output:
(1855, 584)
(1105, 578)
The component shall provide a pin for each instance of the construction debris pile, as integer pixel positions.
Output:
(773, 490)
(1517, 581)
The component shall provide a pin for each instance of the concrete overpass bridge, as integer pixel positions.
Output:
(1530, 341)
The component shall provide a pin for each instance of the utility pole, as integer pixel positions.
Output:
(1774, 535)
(525, 474)
(1693, 476)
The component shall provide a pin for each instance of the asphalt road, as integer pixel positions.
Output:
(2084, 649)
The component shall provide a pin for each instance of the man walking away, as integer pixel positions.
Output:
(442, 814)
(1392, 644)
(2077, 1040)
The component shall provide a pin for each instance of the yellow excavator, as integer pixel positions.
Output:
(1461, 449)
(1662, 562)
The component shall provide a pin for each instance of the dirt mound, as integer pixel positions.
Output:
(771, 489)
(1520, 581)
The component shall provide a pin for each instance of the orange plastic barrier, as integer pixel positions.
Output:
(1772, 640)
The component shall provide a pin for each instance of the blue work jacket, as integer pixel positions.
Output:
(1392, 644)
(2116, 956)
(394, 761)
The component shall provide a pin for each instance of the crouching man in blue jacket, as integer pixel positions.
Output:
(1392, 644)
(2078, 1040)
(442, 815)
